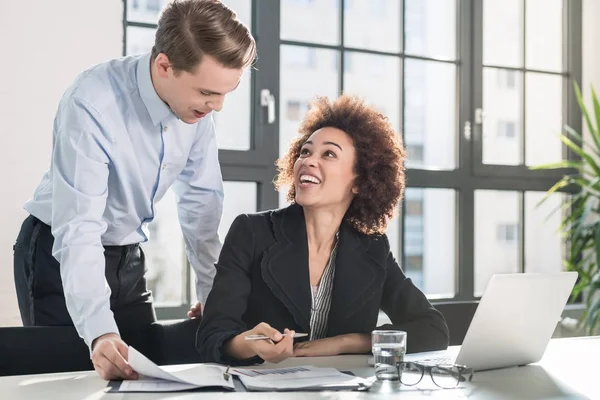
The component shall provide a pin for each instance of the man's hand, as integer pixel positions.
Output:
(109, 356)
(195, 311)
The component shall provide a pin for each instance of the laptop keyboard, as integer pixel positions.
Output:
(437, 361)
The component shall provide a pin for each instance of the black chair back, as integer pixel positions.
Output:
(458, 316)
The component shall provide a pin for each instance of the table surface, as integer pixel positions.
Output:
(568, 370)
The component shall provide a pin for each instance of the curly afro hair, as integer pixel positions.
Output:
(379, 159)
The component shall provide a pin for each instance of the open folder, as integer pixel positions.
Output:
(154, 378)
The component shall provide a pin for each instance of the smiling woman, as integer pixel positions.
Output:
(323, 265)
(379, 165)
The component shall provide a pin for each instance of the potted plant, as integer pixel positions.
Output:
(580, 224)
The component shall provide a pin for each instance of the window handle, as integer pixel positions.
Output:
(267, 99)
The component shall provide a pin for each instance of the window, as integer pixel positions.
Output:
(507, 232)
(506, 129)
(296, 110)
(502, 67)
(414, 207)
(153, 5)
(506, 78)
(301, 57)
(414, 153)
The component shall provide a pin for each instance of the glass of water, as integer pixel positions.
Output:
(388, 349)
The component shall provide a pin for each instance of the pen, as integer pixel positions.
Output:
(263, 337)
(226, 374)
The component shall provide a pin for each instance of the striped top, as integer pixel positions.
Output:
(321, 299)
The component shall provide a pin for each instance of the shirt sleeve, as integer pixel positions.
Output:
(199, 193)
(80, 165)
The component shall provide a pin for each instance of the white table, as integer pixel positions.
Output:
(569, 369)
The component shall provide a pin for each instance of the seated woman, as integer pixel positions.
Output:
(322, 265)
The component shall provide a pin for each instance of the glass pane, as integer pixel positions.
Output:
(430, 240)
(543, 34)
(314, 21)
(376, 79)
(305, 72)
(502, 103)
(430, 28)
(496, 235)
(145, 10)
(543, 118)
(165, 254)
(373, 25)
(139, 40)
(503, 32)
(430, 113)
(149, 10)
(233, 122)
(544, 246)
(240, 198)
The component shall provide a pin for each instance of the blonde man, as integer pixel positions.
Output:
(126, 131)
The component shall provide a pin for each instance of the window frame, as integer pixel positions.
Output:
(470, 173)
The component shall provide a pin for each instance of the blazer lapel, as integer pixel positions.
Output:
(284, 265)
(358, 276)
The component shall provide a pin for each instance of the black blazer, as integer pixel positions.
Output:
(262, 276)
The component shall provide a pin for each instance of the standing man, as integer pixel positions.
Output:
(125, 131)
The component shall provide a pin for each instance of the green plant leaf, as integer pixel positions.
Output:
(592, 315)
(557, 186)
(585, 186)
(589, 160)
(595, 133)
(557, 165)
(584, 111)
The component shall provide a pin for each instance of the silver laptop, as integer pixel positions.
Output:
(513, 323)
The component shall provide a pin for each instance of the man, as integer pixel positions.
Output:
(125, 131)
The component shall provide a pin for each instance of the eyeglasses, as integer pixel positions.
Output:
(446, 376)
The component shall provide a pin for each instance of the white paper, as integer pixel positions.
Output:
(154, 385)
(301, 377)
(192, 375)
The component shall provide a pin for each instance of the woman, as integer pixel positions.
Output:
(323, 265)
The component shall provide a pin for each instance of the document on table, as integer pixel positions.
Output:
(304, 377)
(173, 377)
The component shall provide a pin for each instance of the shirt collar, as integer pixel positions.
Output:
(157, 108)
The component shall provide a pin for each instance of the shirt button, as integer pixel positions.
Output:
(164, 166)
(165, 128)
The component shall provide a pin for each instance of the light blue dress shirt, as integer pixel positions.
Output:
(117, 148)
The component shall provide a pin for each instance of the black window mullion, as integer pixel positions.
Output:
(524, 83)
(466, 33)
(572, 54)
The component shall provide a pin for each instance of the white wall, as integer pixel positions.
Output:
(45, 43)
(590, 49)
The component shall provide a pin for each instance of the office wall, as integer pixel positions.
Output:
(44, 44)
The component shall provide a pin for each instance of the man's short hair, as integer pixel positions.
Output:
(190, 29)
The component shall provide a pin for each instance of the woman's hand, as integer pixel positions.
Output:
(356, 343)
(274, 350)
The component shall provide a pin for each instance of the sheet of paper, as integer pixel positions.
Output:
(198, 375)
(154, 385)
(301, 377)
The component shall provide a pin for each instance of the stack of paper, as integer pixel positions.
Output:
(173, 377)
(304, 377)
(193, 376)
